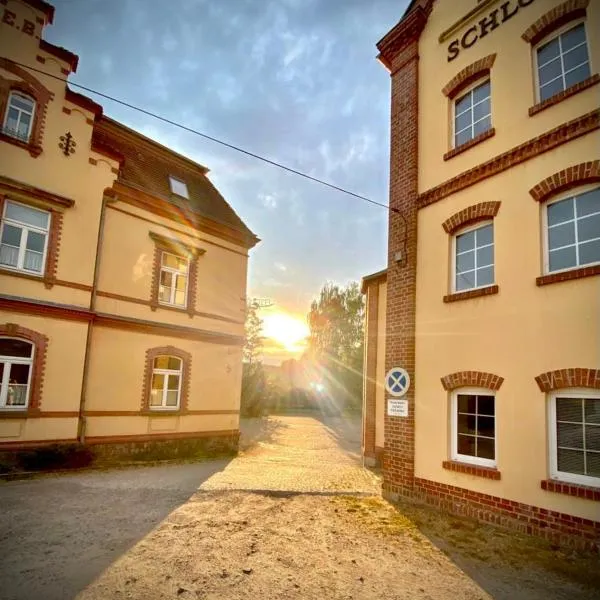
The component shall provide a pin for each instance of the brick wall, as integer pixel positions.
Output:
(370, 372)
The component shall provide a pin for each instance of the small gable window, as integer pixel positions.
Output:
(178, 187)
(18, 120)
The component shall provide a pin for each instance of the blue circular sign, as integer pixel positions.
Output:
(397, 381)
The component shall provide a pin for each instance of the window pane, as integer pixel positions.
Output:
(592, 437)
(589, 252)
(481, 92)
(463, 137)
(466, 445)
(465, 281)
(485, 256)
(18, 348)
(485, 235)
(482, 125)
(550, 71)
(558, 212)
(35, 241)
(174, 363)
(27, 215)
(573, 37)
(563, 259)
(462, 121)
(486, 448)
(593, 464)
(180, 298)
(21, 102)
(156, 397)
(588, 203)
(592, 410)
(19, 373)
(485, 405)
(481, 110)
(575, 57)
(166, 278)
(569, 409)
(17, 394)
(182, 264)
(161, 362)
(181, 282)
(570, 461)
(569, 435)
(11, 235)
(462, 104)
(164, 294)
(173, 382)
(485, 426)
(561, 235)
(465, 262)
(551, 89)
(178, 187)
(577, 75)
(485, 276)
(158, 381)
(172, 398)
(588, 228)
(169, 260)
(466, 241)
(9, 255)
(548, 51)
(33, 261)
(466, 403)
(466, 423)
(13, 118)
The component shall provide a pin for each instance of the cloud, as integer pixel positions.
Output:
(280, 267)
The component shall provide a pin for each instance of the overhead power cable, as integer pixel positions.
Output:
(208, 137)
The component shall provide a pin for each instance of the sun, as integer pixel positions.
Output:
(286, 329)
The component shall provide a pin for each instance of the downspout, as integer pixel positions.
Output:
(107, 197)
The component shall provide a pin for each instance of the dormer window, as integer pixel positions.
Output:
(18, 120)
(178, 187)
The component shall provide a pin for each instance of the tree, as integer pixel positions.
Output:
(253, 376)
(336, 322)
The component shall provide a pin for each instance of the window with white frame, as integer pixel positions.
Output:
(574, 431)
(472, 113)
(474, 258)
(24, 238)
(16, 362)
(573, 231)
(474, 426)
(173, 280)
(166, 383)
(18, 120)
(562, 62)
(178, 187)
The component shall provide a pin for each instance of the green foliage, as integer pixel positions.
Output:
(336, 322)
(253, 376)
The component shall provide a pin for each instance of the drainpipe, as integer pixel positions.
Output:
(107, 197)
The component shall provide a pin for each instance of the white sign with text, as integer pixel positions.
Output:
(397, 408)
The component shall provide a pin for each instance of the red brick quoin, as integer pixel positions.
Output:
(468, 75)
(471, 379)
(569, 378)
(576, 175)
(471, 214)
(555, 18)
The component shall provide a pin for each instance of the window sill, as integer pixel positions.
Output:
(458, 467)
(574, 89)
(571, 489)
(18, 413)
(163, 412)
(579, 273)
(47, 281)
(34, 150)
(473, 142)
(468, 294)
(179, 309)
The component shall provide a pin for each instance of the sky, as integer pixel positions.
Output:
(294, 80)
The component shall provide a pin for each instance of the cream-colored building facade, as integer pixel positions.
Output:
(491, 298)
(122, 269)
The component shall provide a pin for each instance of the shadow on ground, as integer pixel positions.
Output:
(57, 534)
(259, 430)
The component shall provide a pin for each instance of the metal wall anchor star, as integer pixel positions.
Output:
(67, 144)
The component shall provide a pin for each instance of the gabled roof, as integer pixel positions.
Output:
(147, 165)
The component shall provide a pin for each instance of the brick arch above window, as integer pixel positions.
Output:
(480, 68)
(576, 175)
(569, 378)
(186, 367)
(29, 85)
(471, 379)
(554, 19)
(40, 342)
(471, 214)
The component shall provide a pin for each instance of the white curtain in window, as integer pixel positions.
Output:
(9, 255)
(33, 261)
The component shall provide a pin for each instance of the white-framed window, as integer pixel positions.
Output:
(474, 426)
(173, 279)
(574, 436)
(472, 113)
(572, 230)
(16, 364)
(562, 61)
(473, 257)
(166, 383)
(18, 119)
(24, 238)
(178, 187)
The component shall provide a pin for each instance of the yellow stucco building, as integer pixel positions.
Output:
(122, 270)
(491, 296)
